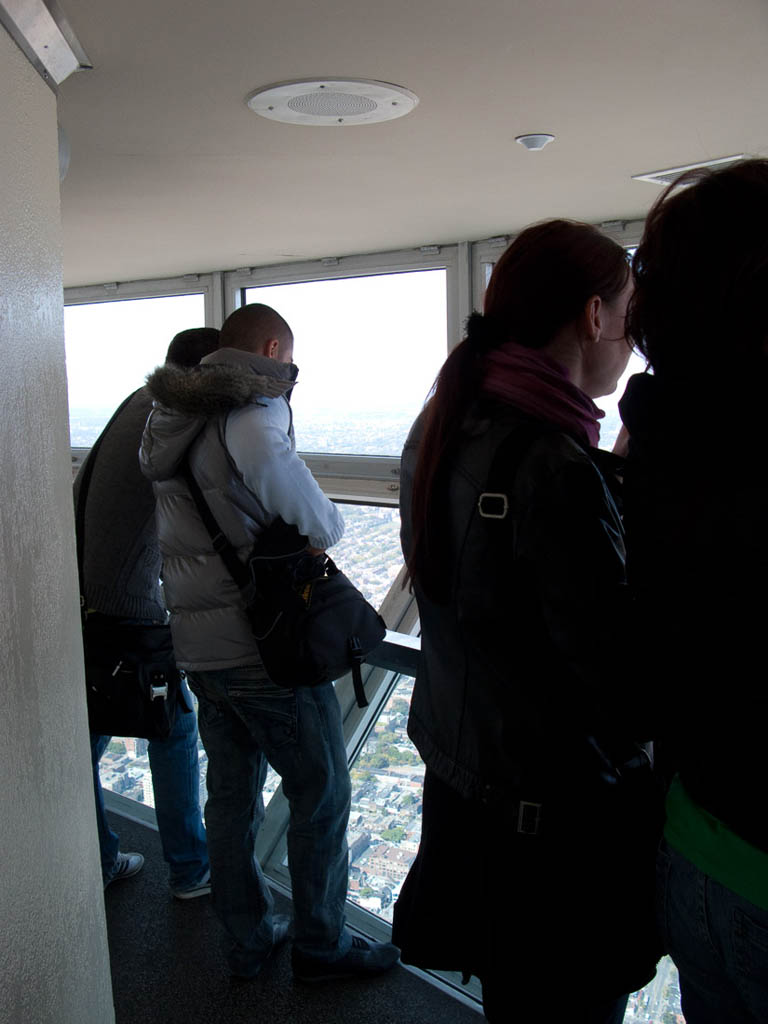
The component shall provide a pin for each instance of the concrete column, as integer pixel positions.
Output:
(54, 962)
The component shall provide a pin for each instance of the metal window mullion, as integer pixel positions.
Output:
(215, 313)
(459, 295)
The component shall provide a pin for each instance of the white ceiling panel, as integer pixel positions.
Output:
(171, 173)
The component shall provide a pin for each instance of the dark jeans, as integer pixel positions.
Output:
(245, 722)
(719, 942)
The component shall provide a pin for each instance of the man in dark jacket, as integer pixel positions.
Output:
(121, 580)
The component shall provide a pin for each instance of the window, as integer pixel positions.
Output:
(369, 552)
(385, 817)
(369, 349)
(611, 422)
(112, 346)
(659, 1000)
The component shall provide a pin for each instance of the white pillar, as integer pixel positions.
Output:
(54, 962)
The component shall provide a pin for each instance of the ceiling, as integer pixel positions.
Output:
(171, 173)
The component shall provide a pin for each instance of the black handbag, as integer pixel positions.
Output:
(311, 623)
(132, 683)
(133, 687)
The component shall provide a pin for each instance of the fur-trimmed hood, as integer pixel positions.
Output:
(226, 379)
(187, 399)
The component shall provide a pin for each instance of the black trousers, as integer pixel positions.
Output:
(526, 914)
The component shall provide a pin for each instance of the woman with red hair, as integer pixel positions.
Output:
(537, 799)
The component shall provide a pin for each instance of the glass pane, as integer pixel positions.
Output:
(369, 349)
(611, 423)
(369, 552)
(111, 347)
(385, 820)
(659, 1001)
(124, 769)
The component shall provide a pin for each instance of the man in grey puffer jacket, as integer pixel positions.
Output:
(229, 420)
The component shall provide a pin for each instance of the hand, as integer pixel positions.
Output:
(621, 447)
(314, 551)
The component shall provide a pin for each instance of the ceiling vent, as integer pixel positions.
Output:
(671, 174)
(332, 101)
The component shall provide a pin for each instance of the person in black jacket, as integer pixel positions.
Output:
(535, 868)
(697, 550)
(121, 583)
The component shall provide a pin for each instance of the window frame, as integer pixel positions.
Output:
(209, 285)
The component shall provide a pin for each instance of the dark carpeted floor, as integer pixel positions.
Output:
(168, 965)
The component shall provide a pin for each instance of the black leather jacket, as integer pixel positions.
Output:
(520, 667)
(697, 538)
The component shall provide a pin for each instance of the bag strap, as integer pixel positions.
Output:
(242, 576)
(494, 501)
(85, 475)
(220, 541)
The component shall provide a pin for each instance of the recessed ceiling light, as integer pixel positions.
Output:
(671, 174)
(332, 101)
(536, 141)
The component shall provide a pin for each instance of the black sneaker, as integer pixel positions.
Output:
(363, 960)
(281, 932)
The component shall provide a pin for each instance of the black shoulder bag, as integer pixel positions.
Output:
(311, 623)
(132, 684)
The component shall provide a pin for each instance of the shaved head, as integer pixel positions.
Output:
(251, 329)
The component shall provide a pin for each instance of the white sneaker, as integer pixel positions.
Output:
(127, 864)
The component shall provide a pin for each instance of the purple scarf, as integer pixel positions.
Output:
(539, 386)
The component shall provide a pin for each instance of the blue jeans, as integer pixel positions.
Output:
(245, 722)
(176, 785)
(719, 942)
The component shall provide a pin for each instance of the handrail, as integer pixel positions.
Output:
(397, 652)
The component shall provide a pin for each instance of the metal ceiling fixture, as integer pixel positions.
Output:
(535, 141)
(671, 174)
(332, 101)
(43, 34)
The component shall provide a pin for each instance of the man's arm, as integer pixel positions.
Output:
(258, 442)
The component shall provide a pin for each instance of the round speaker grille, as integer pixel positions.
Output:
(332, 101)
(331, 104)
